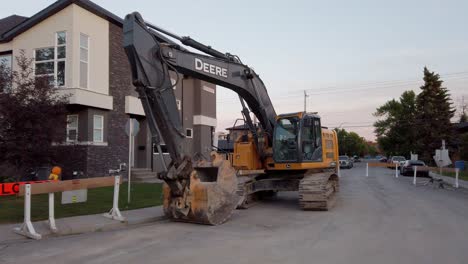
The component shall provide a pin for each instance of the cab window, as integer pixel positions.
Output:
(311, 140)
(285, 139)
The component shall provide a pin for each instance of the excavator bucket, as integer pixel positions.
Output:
(212, 196)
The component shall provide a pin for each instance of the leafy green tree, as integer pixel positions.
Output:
(434, 112)
(350, 143)
(464, 146)
(463, 117)
(396, 133)
(31, 117)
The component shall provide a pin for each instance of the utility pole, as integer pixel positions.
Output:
(305, 100)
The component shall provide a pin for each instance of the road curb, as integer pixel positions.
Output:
(450, 180)
(85, 224)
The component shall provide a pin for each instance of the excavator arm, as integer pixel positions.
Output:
(152, 55)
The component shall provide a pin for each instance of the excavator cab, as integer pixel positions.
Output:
(297, 138)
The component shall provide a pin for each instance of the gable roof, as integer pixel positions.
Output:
(52, 10)
(10, 22)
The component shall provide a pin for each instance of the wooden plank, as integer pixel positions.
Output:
(70, 185)
(381, 164)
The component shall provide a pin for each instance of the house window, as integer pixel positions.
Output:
(50, 61)
(98, 128)
(173, 82)
(72, 128)
(61, 51)
(179, 104)
(84, 61)
(163, 149)
(189, 133)
(6, 64)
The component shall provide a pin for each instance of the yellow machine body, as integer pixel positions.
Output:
(246, 156)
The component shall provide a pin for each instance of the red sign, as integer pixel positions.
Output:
(12, 188)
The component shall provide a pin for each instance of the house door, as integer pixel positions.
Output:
(142, 145)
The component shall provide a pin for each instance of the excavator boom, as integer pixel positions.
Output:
(202, 192)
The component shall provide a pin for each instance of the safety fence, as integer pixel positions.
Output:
(415, 169)
(51, 187)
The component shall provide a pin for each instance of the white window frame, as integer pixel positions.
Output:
(191, 132)
(10, 67)
(55, 60)
(45, 61)
(179, 104)
(156, 152)
(102, 128)
(173, 83)
(70, 128)
(87, 62)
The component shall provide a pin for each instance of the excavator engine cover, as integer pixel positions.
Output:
(211, 197)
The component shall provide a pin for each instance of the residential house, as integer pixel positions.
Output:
(78, 44)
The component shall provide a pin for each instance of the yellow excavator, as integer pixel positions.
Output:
(288, 152)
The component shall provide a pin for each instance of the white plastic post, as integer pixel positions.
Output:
(367, 169)
(114, 213)
(27, 229)
(130, 159)
(456, 177)
(396, 170)
(415, 168)
(52, 225)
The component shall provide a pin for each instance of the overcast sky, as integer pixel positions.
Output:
(350, 56)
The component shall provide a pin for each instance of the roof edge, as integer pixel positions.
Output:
(55, 8)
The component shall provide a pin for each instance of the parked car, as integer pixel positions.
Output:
(407, 169)
(356, 158)
(399, 160)
(346, 162)
(383, 159)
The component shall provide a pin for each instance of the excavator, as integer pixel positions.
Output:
(287, 152)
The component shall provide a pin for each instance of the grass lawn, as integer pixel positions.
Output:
(463, 175)
(99, 201)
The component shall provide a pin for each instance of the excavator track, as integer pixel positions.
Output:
(317, 191)
(246, 199)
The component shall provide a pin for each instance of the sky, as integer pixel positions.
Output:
(349, 56)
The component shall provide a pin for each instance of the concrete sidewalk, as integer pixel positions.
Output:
(450, 180)
(84, 224)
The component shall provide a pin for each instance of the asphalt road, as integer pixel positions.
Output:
(379, 219)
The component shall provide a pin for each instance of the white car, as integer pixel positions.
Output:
(400, 160)
(346, 162)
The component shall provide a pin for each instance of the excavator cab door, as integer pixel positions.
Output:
(297, 139)
(286, 138)
(311, 139)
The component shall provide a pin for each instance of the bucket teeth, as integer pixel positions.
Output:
(211, 197)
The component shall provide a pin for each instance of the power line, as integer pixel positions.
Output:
(321, 91)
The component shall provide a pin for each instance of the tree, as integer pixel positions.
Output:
(32, 116)
(350, 143)
(434, 112)
(396, 133)
(463, 117)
